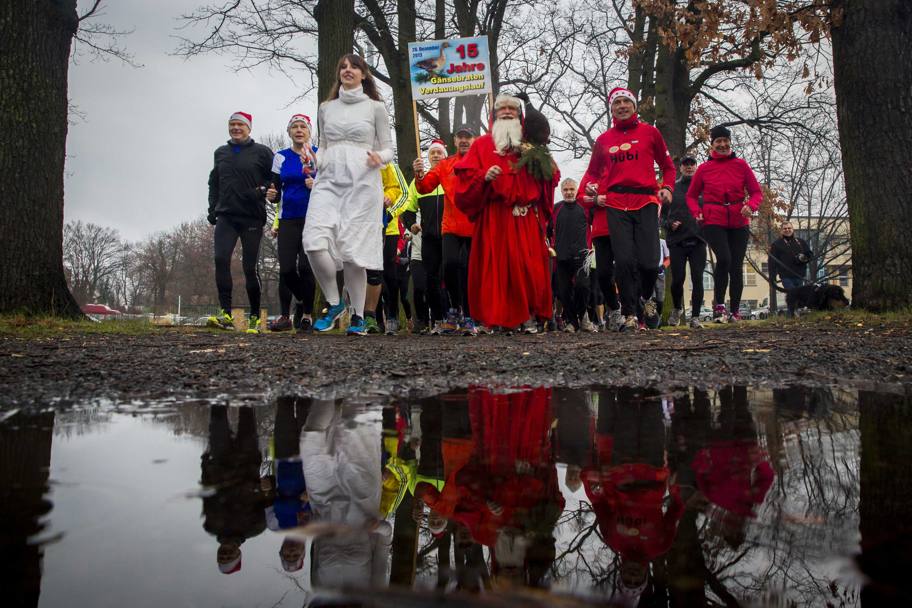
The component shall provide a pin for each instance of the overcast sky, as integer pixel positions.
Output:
(139, 158)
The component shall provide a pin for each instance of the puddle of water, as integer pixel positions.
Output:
(732, 497)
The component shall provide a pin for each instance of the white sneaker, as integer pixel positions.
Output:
(568, 328)
(674, 319)
(587, 325)
(530, 327)
(392, 327)
(695, 323)
(630, 324)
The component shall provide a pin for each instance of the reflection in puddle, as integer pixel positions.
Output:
(685, 498)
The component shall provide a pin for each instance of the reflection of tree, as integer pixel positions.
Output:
(25, 459)
(886, 493)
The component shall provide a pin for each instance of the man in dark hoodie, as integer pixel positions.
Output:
(237, 208)
(686, 246)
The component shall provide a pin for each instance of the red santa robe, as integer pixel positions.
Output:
(509, 277)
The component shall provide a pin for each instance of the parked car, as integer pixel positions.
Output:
(760, 313)
(706, 314)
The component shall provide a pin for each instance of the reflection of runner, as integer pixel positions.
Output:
(290, 506)
(342, 465)
(231, 467)
(628, 485)
(733, 471)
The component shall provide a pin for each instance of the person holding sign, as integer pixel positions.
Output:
(347, 196)
(509, 265)
(457, 229)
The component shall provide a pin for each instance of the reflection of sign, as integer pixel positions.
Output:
(449, 68)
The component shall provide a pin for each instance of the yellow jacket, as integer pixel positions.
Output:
(395, 188)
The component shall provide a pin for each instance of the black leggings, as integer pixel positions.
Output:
(395, 288)
(456, 251)
(729, 246)
(419, 290)
(432, 260)
(573, 289)
(635, 243)
(227, 232)
(604, 266)
(295, 275)
(681, 256)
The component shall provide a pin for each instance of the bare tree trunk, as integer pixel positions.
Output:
(875, 39)
(34, 60)
(336, 19)
(402, 98)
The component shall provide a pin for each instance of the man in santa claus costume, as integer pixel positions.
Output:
(621, 178)
(509, 278)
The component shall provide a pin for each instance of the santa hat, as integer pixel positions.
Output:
(244, 117)
(230, 567)
(300, 118)
(504, 100)
(438, 143)
(621, 93)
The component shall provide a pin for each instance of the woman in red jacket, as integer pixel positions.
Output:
(722, 181)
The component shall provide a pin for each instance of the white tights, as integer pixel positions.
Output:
(324, 269)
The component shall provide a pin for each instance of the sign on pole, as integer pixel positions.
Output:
(450, 68)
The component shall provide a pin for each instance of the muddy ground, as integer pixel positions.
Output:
(199, 363)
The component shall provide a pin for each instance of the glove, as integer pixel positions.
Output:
(211, 218)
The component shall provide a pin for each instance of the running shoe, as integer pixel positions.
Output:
(587, 325)
(392, 327)
(328, 321)
(306, 326)
(695, 323)
(468, 327)
(254, 325)
(569, 329)
(630, 324)
(221, 320)
(615, 320)
(530, 327)
(371, 325)
(283, 323)
(649, 308)
(719, 314)
(298, 315)
(641, 326)
(734, 317)
(419, 327)
(450, 325)
(357, 326)
(674, 319)
(483, 329)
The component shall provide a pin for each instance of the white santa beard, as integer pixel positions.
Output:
(507, 134)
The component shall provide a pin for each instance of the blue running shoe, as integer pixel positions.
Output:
(328, 321)
(357, 327)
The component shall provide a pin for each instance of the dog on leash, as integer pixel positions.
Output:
(814, 297)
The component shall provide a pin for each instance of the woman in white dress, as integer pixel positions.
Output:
(346, 203)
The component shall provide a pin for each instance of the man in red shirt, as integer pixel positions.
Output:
(456, 231)
(621, 177)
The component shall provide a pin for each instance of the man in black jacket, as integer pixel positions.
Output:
(237, 208)
(571, 228)
(686, 246)
(789, 257)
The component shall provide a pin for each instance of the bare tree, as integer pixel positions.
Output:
(90, 256)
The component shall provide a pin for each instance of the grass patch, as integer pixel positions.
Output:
(23, 326)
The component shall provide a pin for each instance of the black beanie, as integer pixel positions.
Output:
(718, 132)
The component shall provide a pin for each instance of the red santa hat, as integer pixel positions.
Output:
(621, 93)
(438, 143)
(243, 117)
(230, 567)
(300, 118)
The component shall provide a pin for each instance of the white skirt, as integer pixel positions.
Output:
(345, 214)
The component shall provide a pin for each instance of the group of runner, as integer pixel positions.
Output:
(477, 231)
